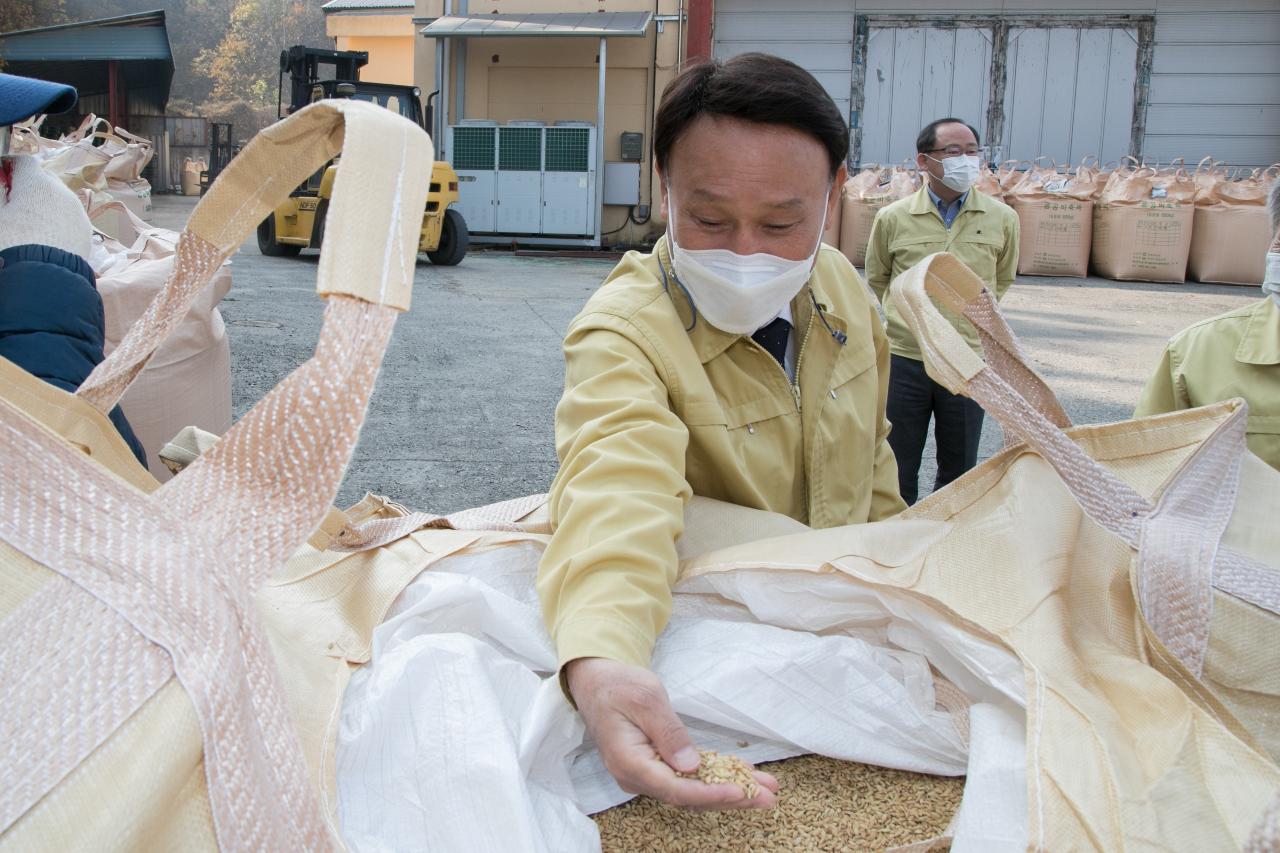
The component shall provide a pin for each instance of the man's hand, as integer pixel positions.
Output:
(642, 741)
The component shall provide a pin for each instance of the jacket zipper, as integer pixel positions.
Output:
(795, 394)
(795, 386)
(795, 390)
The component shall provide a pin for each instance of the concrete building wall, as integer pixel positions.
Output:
(1214, 75)
(556, 79)
(387, 38)
(390, 58)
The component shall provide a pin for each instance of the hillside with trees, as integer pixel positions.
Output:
(225, 52)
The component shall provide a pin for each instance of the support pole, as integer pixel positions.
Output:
(114, 95)
(599, 176)
(999, 82)
(701, 18)
(442, 104)
(442, 84)
(858, 92)
(462, 67)
(1142, 89)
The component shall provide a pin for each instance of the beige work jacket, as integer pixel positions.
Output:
(1236, 354)
(653, 413)
(984, 235)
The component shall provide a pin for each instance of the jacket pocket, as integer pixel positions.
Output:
(703, 413)
(916, 245)
(980, 252)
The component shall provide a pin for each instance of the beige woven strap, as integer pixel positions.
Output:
(1247, 580)
(162, 583)
(499, 516)
(64, 629)
(1000, 347)
(1180, 558)
(1180, 542)
(382, 205)
(176, 570)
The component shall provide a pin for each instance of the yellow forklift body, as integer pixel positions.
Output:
(299, 223)
(442, 193)
(296, 217)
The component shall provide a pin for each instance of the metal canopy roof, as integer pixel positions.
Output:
(78, 54)
(366, 5)
(130, 37)
(555, 24)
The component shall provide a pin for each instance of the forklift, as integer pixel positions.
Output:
(299, 223)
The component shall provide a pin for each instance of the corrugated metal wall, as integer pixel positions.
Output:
(815, 35)
(1069, 93)
(915, 75)
(1214, 80)
(1215, 87)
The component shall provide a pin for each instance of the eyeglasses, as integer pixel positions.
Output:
(956, 151)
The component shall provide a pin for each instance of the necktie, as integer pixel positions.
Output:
(773, 337)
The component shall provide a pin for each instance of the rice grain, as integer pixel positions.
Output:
(824, 804)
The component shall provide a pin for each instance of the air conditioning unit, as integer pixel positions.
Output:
(569, 179)
(474, 147)
(526, 178)
(520, 177)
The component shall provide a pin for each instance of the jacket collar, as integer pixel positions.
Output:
(708, 341)
(922, 203)
(1261, 341)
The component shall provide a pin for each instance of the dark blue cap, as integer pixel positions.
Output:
(22, 97)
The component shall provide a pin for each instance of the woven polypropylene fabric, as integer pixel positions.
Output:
(196, 261)
(124, 548)
(1180, 543)
(962, 292)
(1103, 496)
(166, 580)
(110, 669)
(492, 517)
(1002, 352)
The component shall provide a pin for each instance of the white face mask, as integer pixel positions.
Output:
(739, 293)
(960, 172)
(1271, 281)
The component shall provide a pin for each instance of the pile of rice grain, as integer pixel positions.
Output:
(824, 804)
(714, 768)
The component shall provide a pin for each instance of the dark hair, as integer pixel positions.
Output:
(928, 138)
(751, 87)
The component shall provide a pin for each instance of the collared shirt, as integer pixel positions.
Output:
(948, 212)
(1236, 354)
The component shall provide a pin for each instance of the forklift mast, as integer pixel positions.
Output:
(307, 66)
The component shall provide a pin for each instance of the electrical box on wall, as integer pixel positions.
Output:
(632, 146)
(622, 183)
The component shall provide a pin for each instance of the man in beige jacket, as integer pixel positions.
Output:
(1236, 354)
(741, 360)
(947, 214)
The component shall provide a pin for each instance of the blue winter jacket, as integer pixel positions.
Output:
(51, 320)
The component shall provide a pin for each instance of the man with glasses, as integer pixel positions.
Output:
(946, 215)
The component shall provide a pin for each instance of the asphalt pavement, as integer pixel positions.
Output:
(462, 414)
